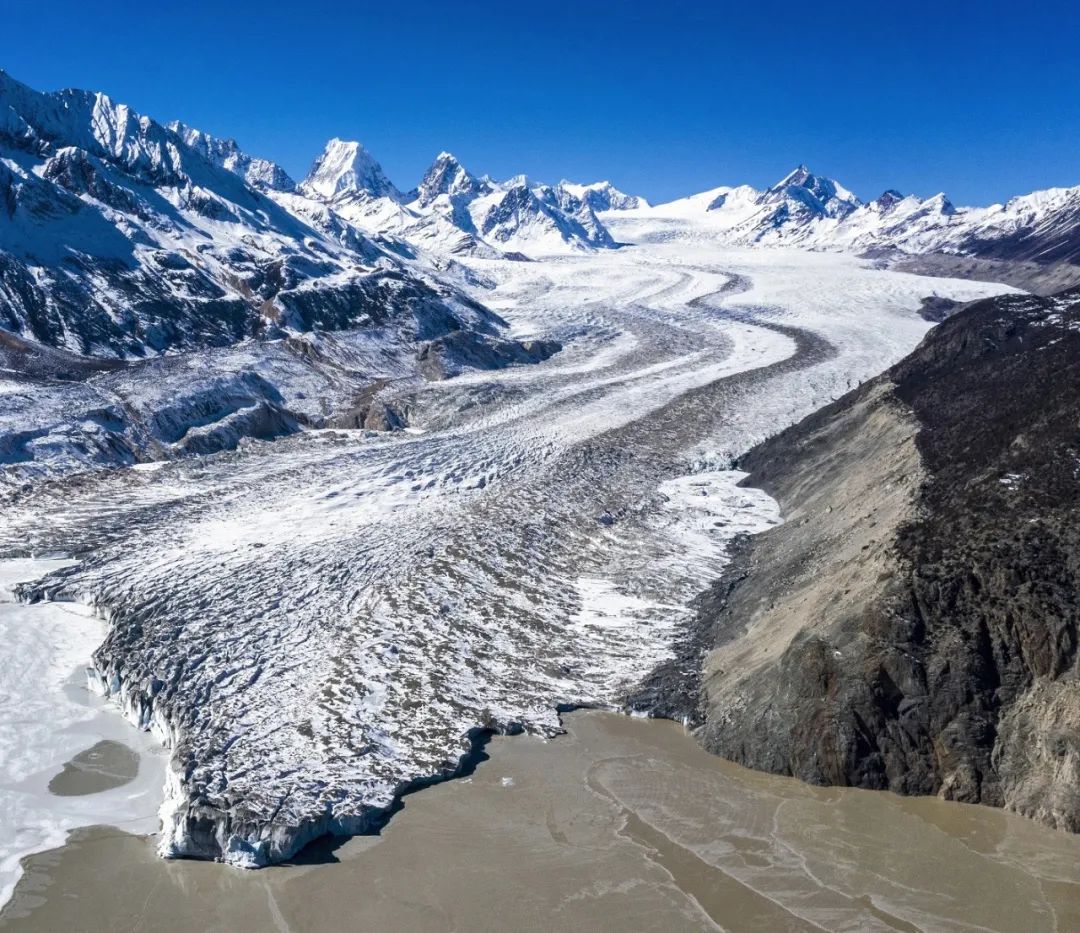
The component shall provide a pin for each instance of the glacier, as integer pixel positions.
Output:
(351, 476)
(321, 622)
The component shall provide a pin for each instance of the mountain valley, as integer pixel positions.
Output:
(359, 476)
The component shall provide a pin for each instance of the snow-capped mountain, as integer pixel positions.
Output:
(225, 153)
(788, 211)
(603, 196)
(119, 237)
(126, 237)
(447, 177)
(520, 214)
(816, 212)
(452, 210)
(804, 196)
(1042, 227)
(346, 167)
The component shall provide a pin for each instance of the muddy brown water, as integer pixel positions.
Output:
(622, 824)
(103, 766)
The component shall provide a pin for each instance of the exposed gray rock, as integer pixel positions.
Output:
(913, 624)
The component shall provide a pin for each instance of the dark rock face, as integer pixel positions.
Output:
(123, 238)
(913, 625)
(935, 308)
(450, 355)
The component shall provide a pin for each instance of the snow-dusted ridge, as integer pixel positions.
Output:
(226, 153)
(814, 212)
(124, 238)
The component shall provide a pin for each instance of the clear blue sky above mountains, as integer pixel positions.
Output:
(981, 100)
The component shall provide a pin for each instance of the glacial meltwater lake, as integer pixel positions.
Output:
(622, 824)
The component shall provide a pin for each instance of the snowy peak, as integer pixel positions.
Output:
(121, 237)
(447, 176)
(940, 203)
(807, 194)
(886, 201)
(38, 123)
(345, 166)
(547, 217)
(517, 215)
(799, 177)
(226, 154)
(603, 196)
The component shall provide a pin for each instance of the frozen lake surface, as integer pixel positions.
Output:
(48, 716)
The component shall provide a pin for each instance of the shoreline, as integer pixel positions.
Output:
(621, 821)
(90, 765)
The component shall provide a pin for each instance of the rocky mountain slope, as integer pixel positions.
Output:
(226, 154)
(124, 238)
(164, 293)
(913, 623)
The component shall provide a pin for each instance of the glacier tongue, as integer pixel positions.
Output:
(317, 614)
(320, 623)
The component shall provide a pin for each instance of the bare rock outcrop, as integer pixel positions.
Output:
(913, 624)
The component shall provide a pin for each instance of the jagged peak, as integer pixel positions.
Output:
(797, 176)
(941, 203)
(346, 166)
(227, 154)
(519, 181)
(447, 176)
(817, 194)
(888, 199)
(802, 177)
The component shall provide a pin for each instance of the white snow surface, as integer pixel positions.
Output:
(47, 716)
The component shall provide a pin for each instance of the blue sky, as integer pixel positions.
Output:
(981, 100)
